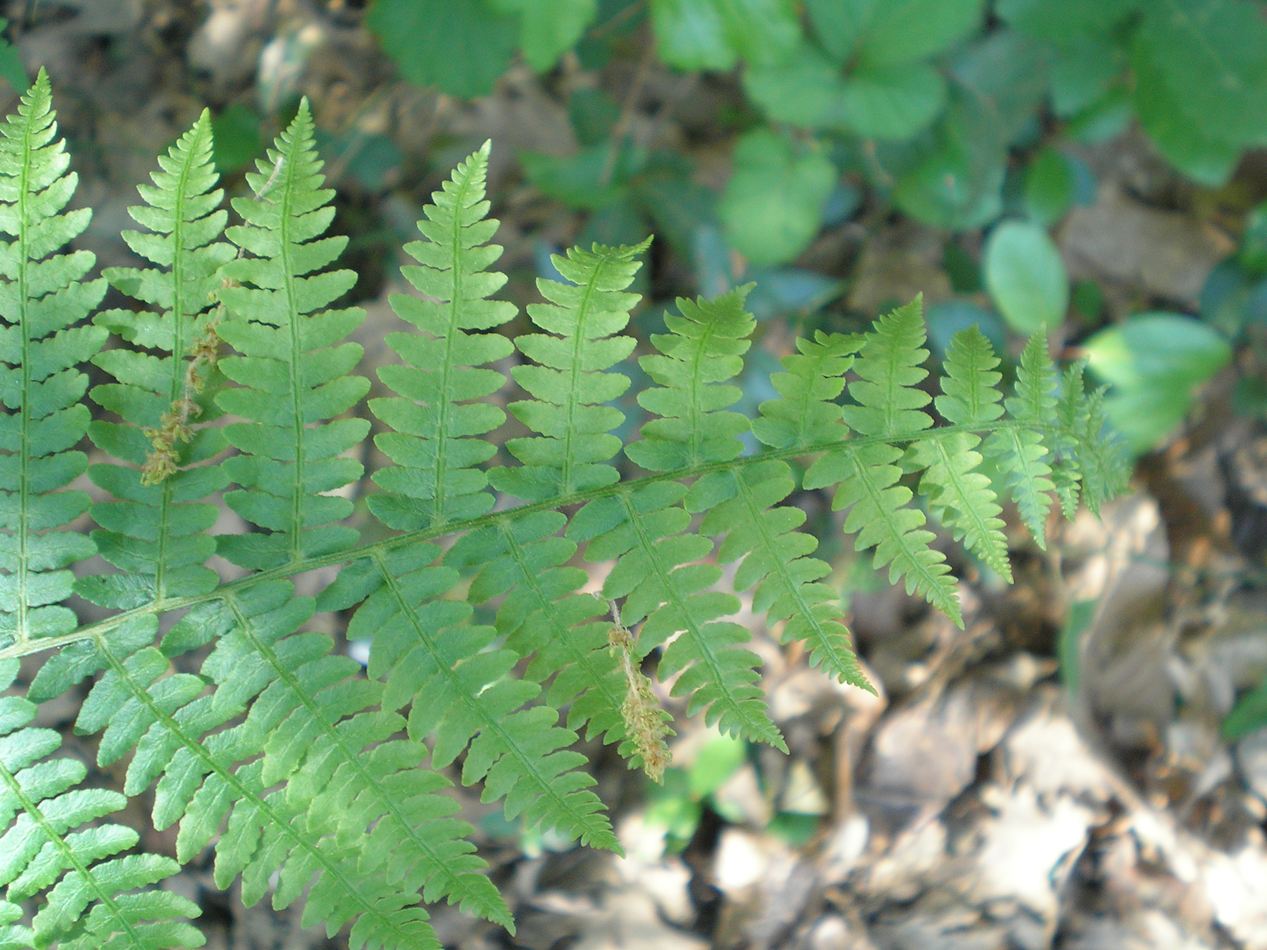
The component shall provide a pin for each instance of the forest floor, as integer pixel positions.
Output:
(1054, 774)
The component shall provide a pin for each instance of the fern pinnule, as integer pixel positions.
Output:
(1021, 451)
(645, 531)
(43, 293)
(154, 529)
(569, 379)
(963, 496)
(294, 377)
(436, 443)
(866, 476)
(53, 843)
(426, 652)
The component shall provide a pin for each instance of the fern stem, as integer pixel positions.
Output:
(377, 548)
(21, 634)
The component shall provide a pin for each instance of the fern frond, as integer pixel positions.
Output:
(776, 556)
(806, 414)
(53, 842)
(645, 531)
(1020, 451)
(42, 295)
(952, 482)
(357, 817)
(462, 695)
(544, 618)
(436, 444)
(156, 528)
(293, 375)
(888, 405)
(569, 379)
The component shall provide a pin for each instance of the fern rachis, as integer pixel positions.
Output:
(233, 383)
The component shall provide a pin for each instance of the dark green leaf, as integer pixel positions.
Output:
(460, 47)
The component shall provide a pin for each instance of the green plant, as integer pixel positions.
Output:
(310, 776)
(931, 103)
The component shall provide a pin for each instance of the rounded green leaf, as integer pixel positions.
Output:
(889, 32)
(773, 204)
(1050, 186)
(805, 90)
(1026, 277)
(892, 102)
(460, 47)
(1154, 363)
(1157, 346)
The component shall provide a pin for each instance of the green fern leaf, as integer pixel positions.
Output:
(1020, 451)
(314, 726)
(568, 379)
(425, 652)
(54, 843)
(42, 294)
(315, 779)
(952, 483)
(867, 475)
(805, 414)
(543, 617)
(293, 378)
(155, 528)
(644, 531)
(435, 443)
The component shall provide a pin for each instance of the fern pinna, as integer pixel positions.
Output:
(228, 380)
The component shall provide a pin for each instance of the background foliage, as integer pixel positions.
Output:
(785, 142)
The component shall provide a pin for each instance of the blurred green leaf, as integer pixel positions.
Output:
(794, 828)
(11, 67)
(236, 138)
(1252, 253)
(1026, 277)
(958, 174)
(806, 90)
(713, 34)
(548, 28)
(772, 206)
(961, 267)
(716, 761)
(892, 102)
(462, 48)
(1006, 74)
(591, 178)
(1201, 82)
(1154, 362)
(672, 807)
(1082, 74)
(593, 114)
(1088, 299)
(891, 32)
(1232, 299)
(1069, 643)
(1050, 186)
(1248, 715)
(1067, 21)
